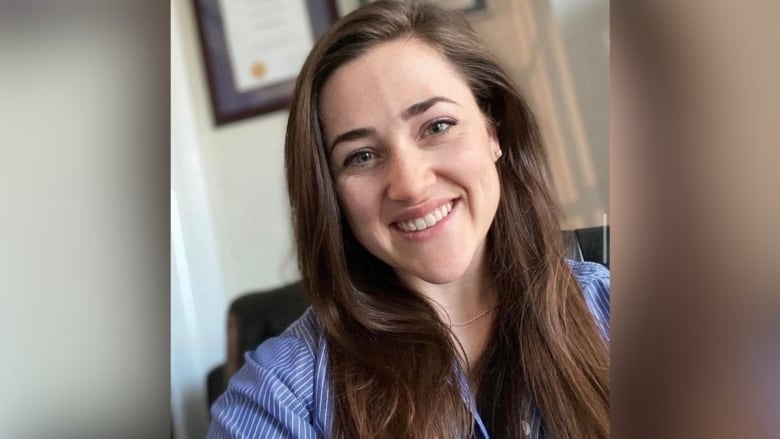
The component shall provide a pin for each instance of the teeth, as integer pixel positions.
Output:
(426, 221)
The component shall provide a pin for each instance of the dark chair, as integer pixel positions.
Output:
(589, 244)
(253, 318)
(257, 316)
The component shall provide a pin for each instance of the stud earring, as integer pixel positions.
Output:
(499, 153)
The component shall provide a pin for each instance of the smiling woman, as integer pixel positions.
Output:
(425, 147)
(428, 240)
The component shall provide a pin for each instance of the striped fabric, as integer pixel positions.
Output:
(282, 390)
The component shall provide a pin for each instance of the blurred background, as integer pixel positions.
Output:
(230, 227)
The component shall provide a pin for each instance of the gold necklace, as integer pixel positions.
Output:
(474, 319)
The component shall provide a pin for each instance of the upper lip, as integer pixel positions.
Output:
(420, 210)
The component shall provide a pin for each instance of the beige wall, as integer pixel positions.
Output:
(536, 41)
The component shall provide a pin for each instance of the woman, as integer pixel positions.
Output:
(442, 305)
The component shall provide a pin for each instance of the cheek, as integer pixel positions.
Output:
(361, 208)
(359, 204)
(489, 182)
(479, 176)
(475, 165)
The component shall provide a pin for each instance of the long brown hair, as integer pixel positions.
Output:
(392, 361)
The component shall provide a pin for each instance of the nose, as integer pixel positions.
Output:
(410, 176)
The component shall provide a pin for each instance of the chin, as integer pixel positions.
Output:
(439, 274)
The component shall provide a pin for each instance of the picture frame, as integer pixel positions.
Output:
(234, 34)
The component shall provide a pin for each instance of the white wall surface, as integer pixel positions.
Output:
(243, 171)
(197, 284)
(230, 226)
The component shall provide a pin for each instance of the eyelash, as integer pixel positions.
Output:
(447, 122)
(350, 160)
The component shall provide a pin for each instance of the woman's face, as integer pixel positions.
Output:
(413, 159)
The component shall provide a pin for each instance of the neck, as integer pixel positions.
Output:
(459, 302)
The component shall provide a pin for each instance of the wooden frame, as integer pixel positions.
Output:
(229, 103)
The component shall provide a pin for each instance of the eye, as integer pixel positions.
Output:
(359, 158)
(438, 127)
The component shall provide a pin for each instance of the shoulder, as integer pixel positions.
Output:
(594, 281)
(587, 271)
(273, 393)
(295, 348)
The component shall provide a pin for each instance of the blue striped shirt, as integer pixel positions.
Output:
(282, 391)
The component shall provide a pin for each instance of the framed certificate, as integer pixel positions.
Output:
(253, 51)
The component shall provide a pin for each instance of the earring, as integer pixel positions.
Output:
(499, 153)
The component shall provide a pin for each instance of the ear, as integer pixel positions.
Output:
(495, 146)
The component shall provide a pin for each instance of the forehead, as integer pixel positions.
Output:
(388, 78)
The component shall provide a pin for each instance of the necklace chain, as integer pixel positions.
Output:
(473, 319)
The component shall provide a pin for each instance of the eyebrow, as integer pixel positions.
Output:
(422, 107)
(414, 110)
(351, 135)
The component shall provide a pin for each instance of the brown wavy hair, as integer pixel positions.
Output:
(392, 361)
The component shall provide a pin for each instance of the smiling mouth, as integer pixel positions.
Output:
(426, 221)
